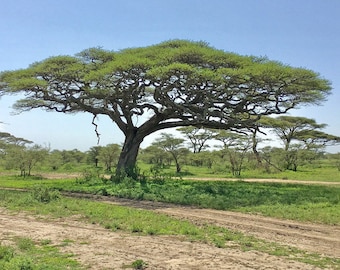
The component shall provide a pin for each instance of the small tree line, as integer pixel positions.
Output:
(302, 142)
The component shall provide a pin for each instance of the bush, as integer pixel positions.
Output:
(6, 253)
(91, 177)
(45, 194)
(19, 263)
(139, 265)
(8, 260)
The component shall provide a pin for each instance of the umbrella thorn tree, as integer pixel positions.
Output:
(176, 83)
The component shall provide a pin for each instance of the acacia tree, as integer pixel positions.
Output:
(306, 134)
(8, 140)
(198, 137)
(316, 139)
(9, 143)
(109, 155)
(93, 155)
(172, 84)
(173, 146)
(25, 158)
(235, 147)
(153, 155)
(289, 128)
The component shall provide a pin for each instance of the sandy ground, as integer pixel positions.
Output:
(102, 249)
(99, 248)
(288, 181)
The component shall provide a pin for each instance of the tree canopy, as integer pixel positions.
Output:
(176, 83)
(289, 128)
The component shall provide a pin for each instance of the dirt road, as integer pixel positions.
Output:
(317, 238)
(99, 248)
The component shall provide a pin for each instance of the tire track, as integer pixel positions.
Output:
(317, 238)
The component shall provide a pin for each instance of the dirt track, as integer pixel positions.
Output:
(102, 249)
(317, 238)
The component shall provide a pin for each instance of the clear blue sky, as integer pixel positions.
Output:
(301, 33)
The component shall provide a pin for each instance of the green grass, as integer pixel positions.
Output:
(306, 173)
(144, 222)
(313, 203)
(323, 171)
(25, 254)
(323, 212)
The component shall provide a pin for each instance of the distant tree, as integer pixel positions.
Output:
(9, 139)
(25, 158)
(73, 156)
(198, 137)
(235, 146)
(176, 83)
(316, 139)
(9, 143)
(154, 155)
(55, 159)
(306, 134)
(109, 155)
(273, 157)
(337, 160)
(93, 155)
(287, 128)
(202, 158)
(172, 145)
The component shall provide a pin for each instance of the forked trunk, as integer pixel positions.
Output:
(128, 157)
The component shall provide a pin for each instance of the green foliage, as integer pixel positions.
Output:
(266, 198)
(19, 263)
(25, 254)
(108, 155)
(45, 194)
(139, 265)
(180, 83)
(147, 222)
(6, 253)
(173, 146)
(25, 243)
(24, 158)
(91, 176)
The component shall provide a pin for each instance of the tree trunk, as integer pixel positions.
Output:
(254, 148)
(128, 157)
(178, 166)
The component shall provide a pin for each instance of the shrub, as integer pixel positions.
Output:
(25, 243)
(45, 194)
(6, 253)
(139, 265)
(20, 263)
(91, 177)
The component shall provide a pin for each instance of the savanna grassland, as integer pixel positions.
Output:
(294, 224)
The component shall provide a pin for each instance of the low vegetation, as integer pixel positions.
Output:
(25, 254)
(314, 203)
(145, 222)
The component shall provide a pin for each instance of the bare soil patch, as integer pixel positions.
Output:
(99, 248)
(316, 238)
(264, 180)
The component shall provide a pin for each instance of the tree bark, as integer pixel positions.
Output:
(178, 166)
(128, 157)
(254, 148)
